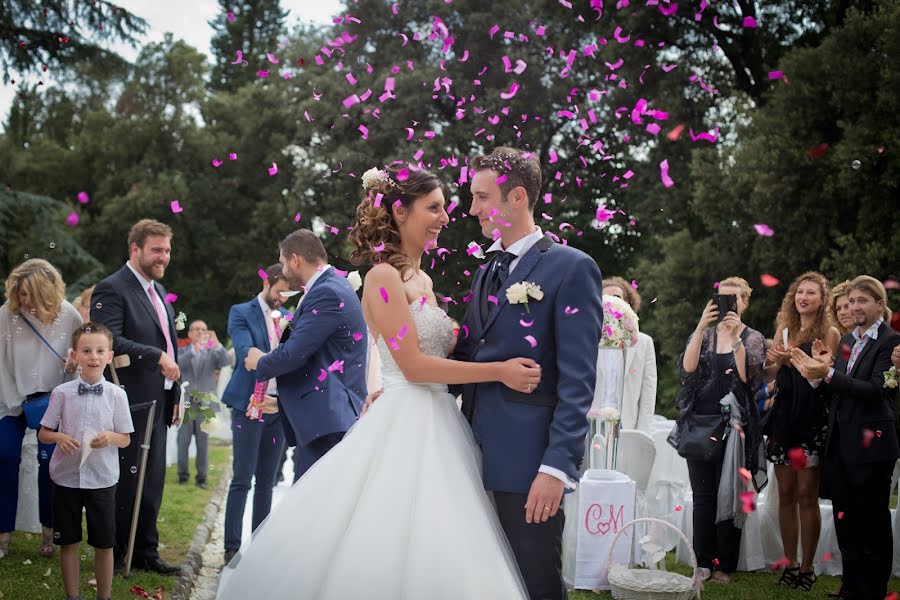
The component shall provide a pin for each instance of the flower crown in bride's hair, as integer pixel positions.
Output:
(375, 176)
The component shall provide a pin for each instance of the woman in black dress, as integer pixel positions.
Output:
(723, 355)
(796, 428)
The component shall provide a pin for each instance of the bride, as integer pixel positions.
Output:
(397, 510)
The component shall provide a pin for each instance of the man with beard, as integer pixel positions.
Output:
(130, 303)
(321, 362)
(257, 443)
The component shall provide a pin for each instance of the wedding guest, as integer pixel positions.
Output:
(83, 304)
(639, 399)
(839, 308)
(895, 357)
(257, 444)
(199, 363)
(722, 356)
(87, 410)
(130, 303)
(797, 425)
(36, 326)
(861, 447)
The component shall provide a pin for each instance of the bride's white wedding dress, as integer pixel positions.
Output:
(395, 511)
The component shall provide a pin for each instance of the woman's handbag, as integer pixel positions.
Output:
(36, 405)
(699, 437)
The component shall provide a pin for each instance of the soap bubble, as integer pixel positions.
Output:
(133, 470)
(856, 164)
(98, 306)
(52, 245)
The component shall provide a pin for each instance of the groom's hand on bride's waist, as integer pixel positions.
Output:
(371, 398)
(544, 498)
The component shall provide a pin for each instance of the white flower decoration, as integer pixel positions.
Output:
(180, 320)
(374, 176)
(890, 378)
(609, 413)
(208, 425)
(355, 280)
(519, 293)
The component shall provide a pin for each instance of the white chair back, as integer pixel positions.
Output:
(636, 456)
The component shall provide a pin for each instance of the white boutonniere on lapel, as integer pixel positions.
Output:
(890, 378)
(519, 293)
(180, 321)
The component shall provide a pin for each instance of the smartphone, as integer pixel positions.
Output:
(725, 303)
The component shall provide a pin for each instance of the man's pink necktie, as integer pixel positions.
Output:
(163, 320)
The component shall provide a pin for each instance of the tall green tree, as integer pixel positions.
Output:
(37, 36)
(250, 27)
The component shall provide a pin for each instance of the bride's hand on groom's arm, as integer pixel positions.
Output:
(520, 374)
(544, 498)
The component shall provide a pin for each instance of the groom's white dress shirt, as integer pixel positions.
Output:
(520, 249)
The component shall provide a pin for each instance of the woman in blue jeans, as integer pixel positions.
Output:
(36, 326)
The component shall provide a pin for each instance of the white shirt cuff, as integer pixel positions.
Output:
(814, 382)
(554, 472)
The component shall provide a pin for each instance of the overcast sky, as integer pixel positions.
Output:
(188, 20)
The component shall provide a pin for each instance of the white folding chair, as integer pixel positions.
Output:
(637, 453)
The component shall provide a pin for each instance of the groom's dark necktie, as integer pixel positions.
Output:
(498, 271)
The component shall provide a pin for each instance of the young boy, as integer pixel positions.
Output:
(88, 419)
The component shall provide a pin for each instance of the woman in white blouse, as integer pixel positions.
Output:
(35, 304)
(639, 401)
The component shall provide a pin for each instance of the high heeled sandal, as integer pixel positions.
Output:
(805, 581)
(789, 576)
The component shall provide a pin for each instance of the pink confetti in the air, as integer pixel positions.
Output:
(750, 23)
(679, 508)
(492, 299)
(273, 170)
(337, 365)
(323, 374)
(513, 90)
(764, 230)
(176, 206)
(230, 16)
(170, 298)
(748, 500)
(768, 281)
(604, 214)
(840, 515)
(72, 219)
(745, 474)
(262, 274)
(664, 173)
(379, 248)
(530, 339)
(216, 163)
(357, 336)
(634, 284)
(272, 58)
(776, 75)
(827, 556)
(384, 295)
(571, 311)
(525, 323)
(262, 73)
(239, 59)
(364, 131)
(500, 180)
(232, 156)
(83, 197)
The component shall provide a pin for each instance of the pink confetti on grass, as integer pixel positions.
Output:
(764, 230)
(176, 206)
(664, 173)
(72, 219)
(530, 339)
(384, 295)
(83, 197)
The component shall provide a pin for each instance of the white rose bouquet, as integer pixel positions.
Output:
(620, 324)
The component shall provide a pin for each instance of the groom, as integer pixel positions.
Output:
(320, 364)
(532, 444)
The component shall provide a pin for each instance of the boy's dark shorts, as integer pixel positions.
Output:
(100, 508)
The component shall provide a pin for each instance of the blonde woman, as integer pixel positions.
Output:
(36, 326)
(798, 423)
(839, 308)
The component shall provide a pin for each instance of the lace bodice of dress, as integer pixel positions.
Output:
(435, 331)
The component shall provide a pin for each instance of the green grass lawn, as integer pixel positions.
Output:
(747, 586)
(26, 575)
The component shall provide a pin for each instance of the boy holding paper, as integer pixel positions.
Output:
(88, 419)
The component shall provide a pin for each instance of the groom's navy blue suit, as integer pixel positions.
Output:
(519, 433)
(320, 368)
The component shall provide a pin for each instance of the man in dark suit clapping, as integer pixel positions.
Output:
(130, 302)
(861, 445)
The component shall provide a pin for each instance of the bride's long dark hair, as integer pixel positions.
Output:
(375, 224)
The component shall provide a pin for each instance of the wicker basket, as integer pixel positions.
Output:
(627, 583)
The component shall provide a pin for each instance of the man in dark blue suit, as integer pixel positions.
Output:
(532, 444)
(257, 444)
(320, 365)
(131, 302)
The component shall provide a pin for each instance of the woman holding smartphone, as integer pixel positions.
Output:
(797, 426)
(722, 356)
